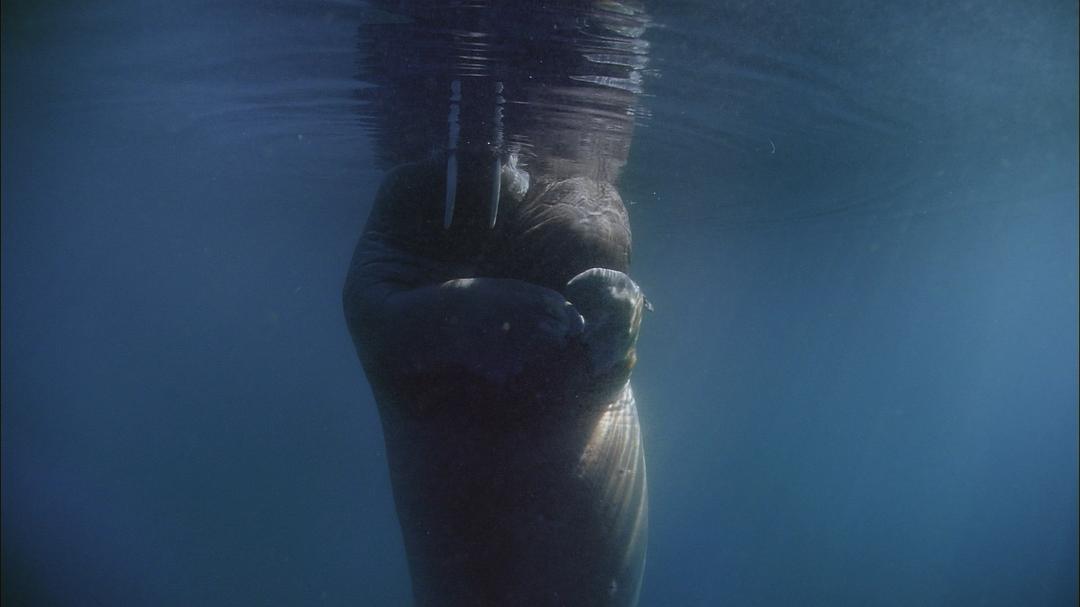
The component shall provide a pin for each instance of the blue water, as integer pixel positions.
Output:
(857, 225)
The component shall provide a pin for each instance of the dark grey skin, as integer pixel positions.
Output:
(500, 360)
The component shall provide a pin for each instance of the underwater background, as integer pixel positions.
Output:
(856, 222)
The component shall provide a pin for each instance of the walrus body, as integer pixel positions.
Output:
(500, 361)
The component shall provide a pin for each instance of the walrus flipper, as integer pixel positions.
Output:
(612, 305)
(493, 328)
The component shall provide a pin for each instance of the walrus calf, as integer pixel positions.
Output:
(500, 360)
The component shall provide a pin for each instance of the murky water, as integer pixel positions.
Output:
(857, 225)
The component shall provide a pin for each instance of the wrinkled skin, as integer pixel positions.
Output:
(500, 360)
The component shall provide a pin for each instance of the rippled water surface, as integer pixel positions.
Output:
(857, 223)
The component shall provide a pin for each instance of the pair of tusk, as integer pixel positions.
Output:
(453, 136)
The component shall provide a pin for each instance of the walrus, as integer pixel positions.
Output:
(500, 359)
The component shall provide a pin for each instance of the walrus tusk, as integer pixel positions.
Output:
(496, 173)
(451, 189)
(496, 183)
(454, 132)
